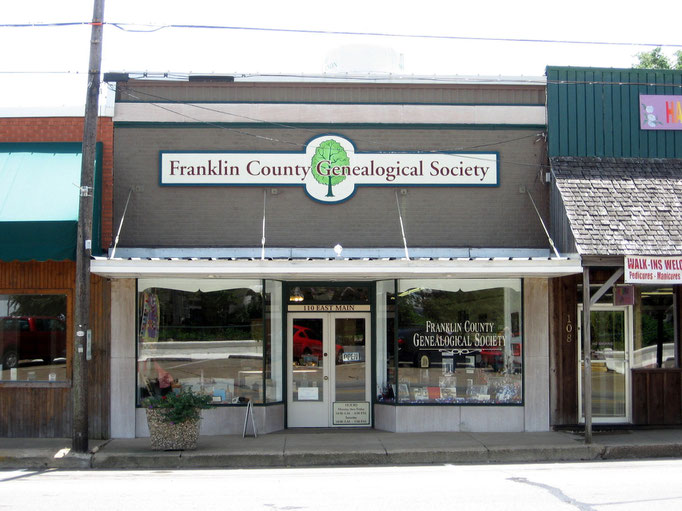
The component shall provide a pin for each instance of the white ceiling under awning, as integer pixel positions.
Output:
(335, 269)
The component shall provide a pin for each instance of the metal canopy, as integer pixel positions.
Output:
(335, 268)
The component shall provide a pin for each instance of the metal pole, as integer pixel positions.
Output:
(84, 243)
(402, 228)
(587, 358)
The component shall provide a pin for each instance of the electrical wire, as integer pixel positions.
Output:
(387, 78)
(151, 28)
(298, 128)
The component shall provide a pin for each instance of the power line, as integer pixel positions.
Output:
(150, 28)
(373, 78)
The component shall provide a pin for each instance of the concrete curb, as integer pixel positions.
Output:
(45, 462)
(320, 450)
(627, 452)
(498, 455)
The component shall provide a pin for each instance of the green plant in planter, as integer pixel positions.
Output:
(178, 408)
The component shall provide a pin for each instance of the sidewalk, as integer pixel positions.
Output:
(307, 448)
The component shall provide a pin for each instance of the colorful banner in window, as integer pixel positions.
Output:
(660, 112)
(653, 270)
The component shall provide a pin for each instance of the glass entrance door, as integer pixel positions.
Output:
(329, 370)
(610, 348)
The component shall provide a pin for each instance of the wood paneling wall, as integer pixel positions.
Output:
(43, 409)
(657, 396)
(563, 351)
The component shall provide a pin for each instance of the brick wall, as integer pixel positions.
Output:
(69, 129)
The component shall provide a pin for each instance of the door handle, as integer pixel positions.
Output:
(326, 377)
(325, 354)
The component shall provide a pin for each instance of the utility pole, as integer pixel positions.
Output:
(84, 243)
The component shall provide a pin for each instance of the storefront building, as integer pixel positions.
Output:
(339, 254)
(615, 146)
(40, 168)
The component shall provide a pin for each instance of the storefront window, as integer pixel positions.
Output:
(204, 334)
(460, 341)
(654, 339)
(385, 342)
(33, 338)
(273, 341)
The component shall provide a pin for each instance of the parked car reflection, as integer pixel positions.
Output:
(31, 338)
(307, 347)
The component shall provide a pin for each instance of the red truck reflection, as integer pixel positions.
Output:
(30, 338)
(306, 345)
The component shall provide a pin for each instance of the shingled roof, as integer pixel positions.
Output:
(618, 206)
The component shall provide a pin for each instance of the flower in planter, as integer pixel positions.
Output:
(178, 408)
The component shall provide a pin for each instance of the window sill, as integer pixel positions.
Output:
(8, 384)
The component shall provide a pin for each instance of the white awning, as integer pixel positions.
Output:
(335, 268)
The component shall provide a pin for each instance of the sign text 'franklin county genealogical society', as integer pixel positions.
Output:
(329, 169)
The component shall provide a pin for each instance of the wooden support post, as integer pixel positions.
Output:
(84, 239)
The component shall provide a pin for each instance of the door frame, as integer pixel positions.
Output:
(326, 407)
(628, 338)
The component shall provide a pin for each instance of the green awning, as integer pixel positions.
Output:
(39, 195)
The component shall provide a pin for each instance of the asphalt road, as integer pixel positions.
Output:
(612, 486)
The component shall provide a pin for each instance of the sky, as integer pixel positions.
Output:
(44, 68)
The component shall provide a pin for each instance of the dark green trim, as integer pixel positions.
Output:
(42, 147)
(138, 401)
(97, 202)
(372, 348)
(326, 126)
(285, 354)
(38, 240)
(330, 103)
(264, 318)
(396, 355)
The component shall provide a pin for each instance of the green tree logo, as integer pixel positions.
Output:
(329, 154)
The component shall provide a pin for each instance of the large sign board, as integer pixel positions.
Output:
(653, 270)
(329, 168)
(660, 112)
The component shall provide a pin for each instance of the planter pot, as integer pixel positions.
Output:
(165, 436)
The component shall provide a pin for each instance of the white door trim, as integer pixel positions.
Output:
(321, 413)
(628, 334)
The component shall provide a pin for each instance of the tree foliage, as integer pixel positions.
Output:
(655, 59)
(37, 305)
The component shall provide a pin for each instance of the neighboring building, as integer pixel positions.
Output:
(339, 253)
(615, 147)
(40, 166)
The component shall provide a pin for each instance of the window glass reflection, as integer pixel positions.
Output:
(459, 341)
(208, 340)
(654, 337)
(308, 353)
(339, 294)
(33, 337)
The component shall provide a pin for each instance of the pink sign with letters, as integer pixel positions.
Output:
(660, 112)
